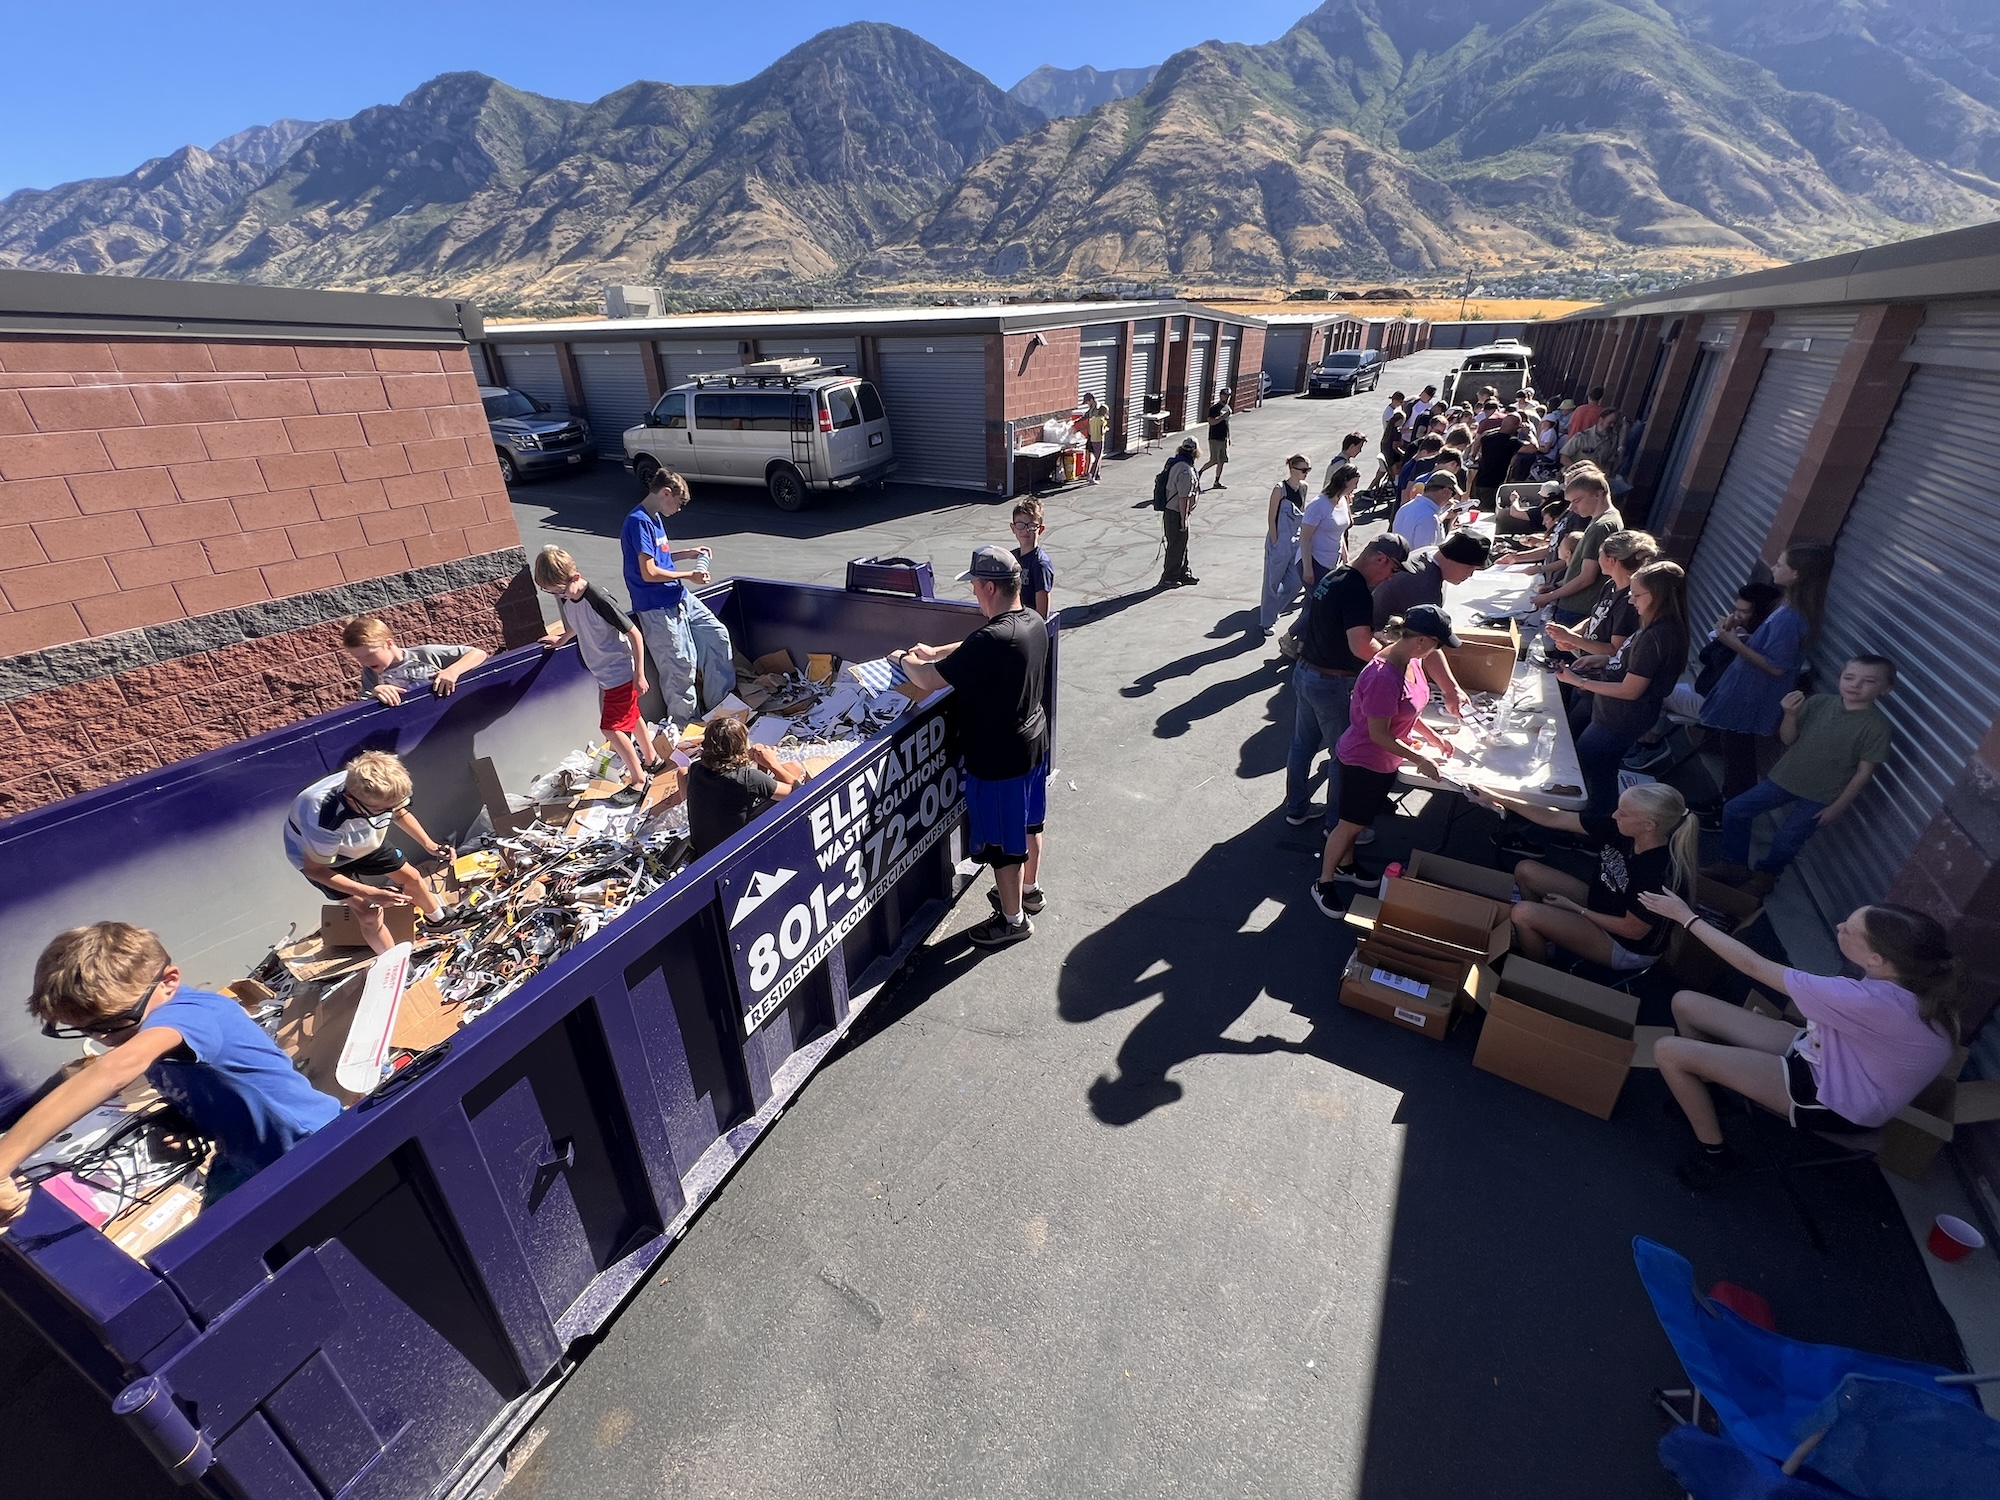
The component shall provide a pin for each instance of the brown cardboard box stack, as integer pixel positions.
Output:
(1427, 957)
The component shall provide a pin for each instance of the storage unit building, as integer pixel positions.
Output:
(958, 383)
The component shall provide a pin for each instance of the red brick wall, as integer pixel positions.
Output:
(1249, 368)
(145, 481)
(183, 521)
(1042, 381)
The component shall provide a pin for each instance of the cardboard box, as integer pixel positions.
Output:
(1424, 1006)
(338, 929)
(1484, 661)
(144, 1227)
(1561, 1036)
(1445, 922)
(1695, 965)
(1457, 875)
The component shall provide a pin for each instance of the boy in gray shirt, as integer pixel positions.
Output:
(390, 672)
(614, 653)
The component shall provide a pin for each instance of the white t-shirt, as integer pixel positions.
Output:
(1329, 522)
(1417, 523)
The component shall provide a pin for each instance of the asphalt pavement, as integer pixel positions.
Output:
(1135, 1208)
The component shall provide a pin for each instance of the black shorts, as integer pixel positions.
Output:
(383, 862)
(1807, 1112)
(1364, 793)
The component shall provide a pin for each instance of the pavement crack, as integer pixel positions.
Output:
(863, 1307)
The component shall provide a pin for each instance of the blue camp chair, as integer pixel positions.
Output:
(1811, 1418)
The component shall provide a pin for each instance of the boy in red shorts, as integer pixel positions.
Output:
(614, 653)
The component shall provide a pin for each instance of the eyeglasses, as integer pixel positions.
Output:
(378, 818)
(105, 1026)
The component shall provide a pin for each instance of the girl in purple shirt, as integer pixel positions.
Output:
(1868, 1047)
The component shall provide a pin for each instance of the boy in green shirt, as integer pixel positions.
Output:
(1835, 743)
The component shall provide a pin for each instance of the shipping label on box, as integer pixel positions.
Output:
(1409, 1000)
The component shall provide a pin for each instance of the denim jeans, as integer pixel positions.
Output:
(1321, 720)
(684, 643)
(1600, 752)
(1794, 828)
(1281, 580)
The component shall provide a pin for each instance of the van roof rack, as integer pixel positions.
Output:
(769, 372)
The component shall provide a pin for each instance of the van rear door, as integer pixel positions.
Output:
(846, 430)
(876, 447)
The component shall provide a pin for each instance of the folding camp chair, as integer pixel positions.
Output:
(1814, 1411)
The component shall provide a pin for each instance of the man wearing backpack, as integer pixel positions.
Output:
(1174, 492)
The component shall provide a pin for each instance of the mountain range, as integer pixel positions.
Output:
(1372, 139)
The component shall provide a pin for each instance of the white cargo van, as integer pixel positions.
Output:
(794, 426)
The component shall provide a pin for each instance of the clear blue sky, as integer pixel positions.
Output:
(93, 90)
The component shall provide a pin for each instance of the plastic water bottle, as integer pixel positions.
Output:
(1545, 742)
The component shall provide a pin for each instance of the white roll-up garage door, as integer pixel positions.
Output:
(613, 377)
(935, 393)
(682, 361)
(1201, 347)
(1142, 386)
(1911, 542)
(1097, 365)
(1284, 353)
(827, 350)
(532, 368)
(1804, 351)
(1225, 358)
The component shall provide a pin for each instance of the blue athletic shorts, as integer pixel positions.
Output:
(1002, 813)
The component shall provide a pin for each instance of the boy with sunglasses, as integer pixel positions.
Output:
(115, 984)
(338, 837)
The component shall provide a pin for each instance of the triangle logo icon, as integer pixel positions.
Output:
(762, 888)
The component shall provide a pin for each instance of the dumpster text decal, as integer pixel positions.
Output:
(793, 896)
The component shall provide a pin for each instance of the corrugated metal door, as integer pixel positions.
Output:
(1225, 358)
(683, 361)
(1198, 392)
(935, 392)
(1097, 368)
(1694, 402)
(1930, 495)
(613, 377)
(1805, 349)
(827, 350)
(1143, 383)
(1284, 352)
(532, 368)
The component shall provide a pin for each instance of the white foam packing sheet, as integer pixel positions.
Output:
(1510, 764)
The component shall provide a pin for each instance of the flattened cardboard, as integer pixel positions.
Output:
(820, 666)
(774, 663)
(313, 1029)
(1457, 875)
(310, 959)
(146, 1226)
(425, 1018)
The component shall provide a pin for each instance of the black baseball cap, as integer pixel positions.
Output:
(1428, 619)
(994, 563)
(1473, 548)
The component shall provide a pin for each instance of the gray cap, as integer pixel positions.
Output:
(992, 563)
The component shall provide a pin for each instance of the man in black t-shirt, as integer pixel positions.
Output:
(1218, 437)
(998, 672)
(1336, 642)
(1497, 447)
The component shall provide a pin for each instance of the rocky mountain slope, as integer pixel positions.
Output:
(1374, 139)
(1057, 92)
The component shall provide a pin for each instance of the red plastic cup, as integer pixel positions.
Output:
(1953, 1239)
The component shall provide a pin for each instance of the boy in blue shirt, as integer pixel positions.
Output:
(115, 983)
(1038, 573)
(694, 664)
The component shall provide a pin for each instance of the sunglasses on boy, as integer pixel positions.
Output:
(381, 819)
(105, 1026)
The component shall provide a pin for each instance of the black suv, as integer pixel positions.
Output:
(1346, 372)
(531, 438)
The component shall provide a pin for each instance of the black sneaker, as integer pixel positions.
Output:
(631, 796)
(1352, 876)
(1702, 1169)
(1189, 580)
(1032, 902)
(449, 919)
(997, 932)
(1326, 896)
